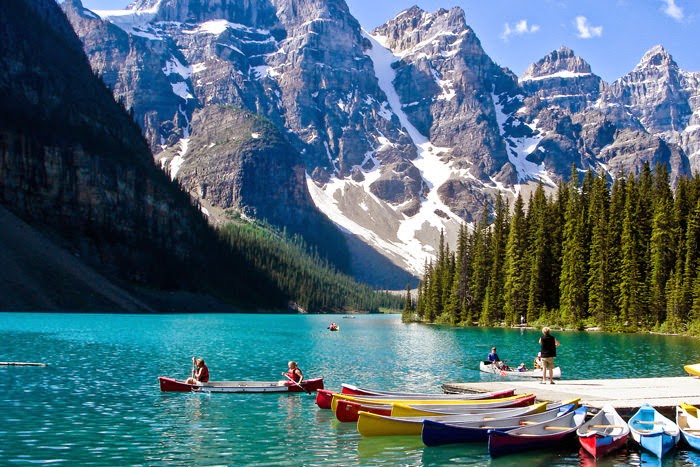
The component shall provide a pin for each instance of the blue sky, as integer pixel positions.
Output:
(611, 35)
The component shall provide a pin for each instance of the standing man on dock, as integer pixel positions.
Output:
(548, 350)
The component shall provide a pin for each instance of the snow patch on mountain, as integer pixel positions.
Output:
(563, 74)
(433, 213)
(136, 22)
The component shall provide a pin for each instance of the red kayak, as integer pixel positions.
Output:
(177, 385)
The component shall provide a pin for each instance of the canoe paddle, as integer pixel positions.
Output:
(302, 387)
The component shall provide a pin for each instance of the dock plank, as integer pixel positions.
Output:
(626, 395)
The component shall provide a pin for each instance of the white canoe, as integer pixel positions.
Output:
(488, 367)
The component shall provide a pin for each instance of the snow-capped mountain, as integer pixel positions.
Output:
(403, 132)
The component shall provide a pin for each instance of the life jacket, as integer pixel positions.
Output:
(293, 374)
(203, 375)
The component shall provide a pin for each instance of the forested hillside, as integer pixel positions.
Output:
(89, 212)
(621, 256)
(310, 282)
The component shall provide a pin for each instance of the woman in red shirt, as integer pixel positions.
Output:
(201, 374)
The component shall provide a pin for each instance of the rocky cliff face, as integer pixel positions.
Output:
(404, 131)
(74, 165)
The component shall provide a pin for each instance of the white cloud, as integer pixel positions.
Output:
(518, 29)
(587, 31)
(673, 10)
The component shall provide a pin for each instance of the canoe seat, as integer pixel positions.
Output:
(607, 426)
(692, 430)
(644, 431)
(557, 428)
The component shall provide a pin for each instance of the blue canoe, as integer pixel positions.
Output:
(689, 424)
(438, 433)
(654, 432)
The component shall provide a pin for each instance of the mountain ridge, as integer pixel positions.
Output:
(489, 131)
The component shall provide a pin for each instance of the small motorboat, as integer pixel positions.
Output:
(489, 367)
(538, 436)
(689, 424)
(654, 432)
(605, 432)
(333, 327)
(175, 385)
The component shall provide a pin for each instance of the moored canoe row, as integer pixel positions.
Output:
(440, 420)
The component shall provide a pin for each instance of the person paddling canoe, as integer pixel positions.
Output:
(294, 373)
(200, 372)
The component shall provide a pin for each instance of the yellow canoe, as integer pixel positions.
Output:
(693, 370)
(370, 424)
(511, 401)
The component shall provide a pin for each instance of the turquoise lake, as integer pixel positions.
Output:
(98, 401)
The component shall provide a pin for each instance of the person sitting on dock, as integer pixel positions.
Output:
(200, 374)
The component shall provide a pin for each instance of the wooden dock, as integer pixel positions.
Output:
(626, 395)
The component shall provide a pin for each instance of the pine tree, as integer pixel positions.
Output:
(573, 270)
(600, 293)
(480, 272)
(456, 309)
(541, 258)
(407, 314)
(631, 282)
(493, 303)
(662, 245)
(516, 266)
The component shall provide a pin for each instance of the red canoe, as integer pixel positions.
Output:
(177, 385)
(353, 390)
(349, 411)
(324, 398)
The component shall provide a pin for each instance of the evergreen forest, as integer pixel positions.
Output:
(617, 255)
(307, 281)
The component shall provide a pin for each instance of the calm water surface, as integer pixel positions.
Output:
(98, 402)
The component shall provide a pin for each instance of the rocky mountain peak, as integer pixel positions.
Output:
(413, 28)
(656, 57)
(252, 13)
(558, 63)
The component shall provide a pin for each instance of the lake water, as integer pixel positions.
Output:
(98, 401)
